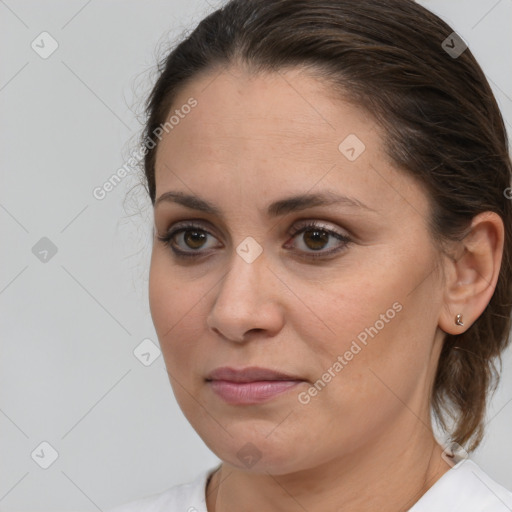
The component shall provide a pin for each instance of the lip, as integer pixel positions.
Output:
(250, 385)
(249, 374)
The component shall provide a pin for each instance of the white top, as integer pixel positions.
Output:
(464, 488)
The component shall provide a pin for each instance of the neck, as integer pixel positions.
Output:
(388, 475)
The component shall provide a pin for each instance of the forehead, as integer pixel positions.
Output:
(267, 117)
(268, 131)
(289, 107)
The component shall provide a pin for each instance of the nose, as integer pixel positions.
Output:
(247, 302)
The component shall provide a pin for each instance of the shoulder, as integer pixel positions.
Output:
(465, 488)
(187, 497)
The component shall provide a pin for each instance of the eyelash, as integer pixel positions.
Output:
(309, 225)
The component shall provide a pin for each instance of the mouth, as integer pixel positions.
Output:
(251, 385)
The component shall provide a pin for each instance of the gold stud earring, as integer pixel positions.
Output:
(458, 319)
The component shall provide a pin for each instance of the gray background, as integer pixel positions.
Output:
(71, 323)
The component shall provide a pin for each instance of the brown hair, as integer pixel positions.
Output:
(442, 126)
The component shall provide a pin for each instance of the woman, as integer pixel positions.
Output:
(332, 256)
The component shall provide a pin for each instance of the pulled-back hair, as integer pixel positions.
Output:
(442, 126)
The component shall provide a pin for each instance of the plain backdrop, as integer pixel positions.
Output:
(74, 269)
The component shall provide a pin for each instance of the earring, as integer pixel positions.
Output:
(458, 319)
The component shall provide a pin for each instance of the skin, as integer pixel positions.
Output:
(365, 440)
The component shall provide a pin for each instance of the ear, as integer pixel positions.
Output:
(472, 276)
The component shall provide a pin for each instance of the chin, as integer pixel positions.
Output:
(256, 452)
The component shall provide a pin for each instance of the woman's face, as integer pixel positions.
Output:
(349, 307)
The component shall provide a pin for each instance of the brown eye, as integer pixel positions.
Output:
(188, 240)
(315, 237)
(194, 239)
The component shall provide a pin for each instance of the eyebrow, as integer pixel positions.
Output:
(275, 209)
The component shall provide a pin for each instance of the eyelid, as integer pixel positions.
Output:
(291, 231)
(304, 223)
(197, 223)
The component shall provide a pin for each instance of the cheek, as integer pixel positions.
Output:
(175, 317)
(377, 347)
(171, 297)
(161, 295)
(172, 305)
